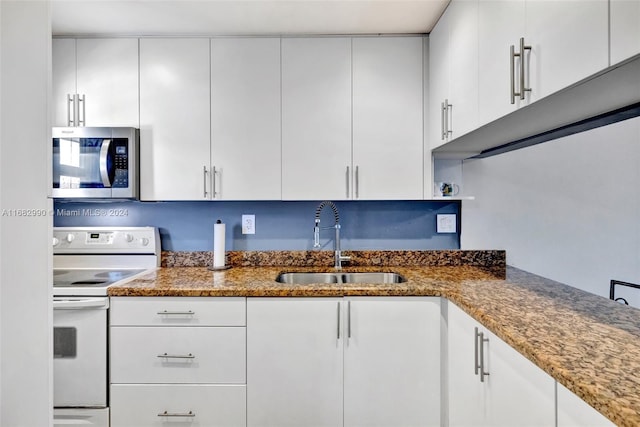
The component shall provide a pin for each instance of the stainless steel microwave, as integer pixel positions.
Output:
(97, 163)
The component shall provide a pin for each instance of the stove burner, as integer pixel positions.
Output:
(88, 282)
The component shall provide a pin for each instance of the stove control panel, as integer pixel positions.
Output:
(106, 240)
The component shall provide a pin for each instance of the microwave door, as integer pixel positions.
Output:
(77, 167)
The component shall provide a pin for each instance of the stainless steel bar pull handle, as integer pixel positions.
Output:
(476, 365)
(81, 119)
(204, 173)
(523, 89)
(512, 74)
(213, 182)
(177, 313)
(482, 340)
(70, 107)
(176, 356)
(443, 112)
(521, 75)
(177, 414)
(347, 181)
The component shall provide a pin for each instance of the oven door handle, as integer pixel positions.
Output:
(80, 304)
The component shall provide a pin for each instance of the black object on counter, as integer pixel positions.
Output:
(612, 289)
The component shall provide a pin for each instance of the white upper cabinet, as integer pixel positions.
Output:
(104, 73)
(500, 26)
(387, 118)
(569, 42)
(562, 43)
(245, 118)
(174, 119)
(625, 29)
(453, 72)
(316, 118)
(63, 64)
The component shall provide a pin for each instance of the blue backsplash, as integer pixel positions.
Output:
(188, 226)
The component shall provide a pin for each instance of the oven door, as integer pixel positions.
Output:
(80, 352)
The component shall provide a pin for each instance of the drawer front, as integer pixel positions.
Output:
(178, 355)
(178, 311)
(140, 405)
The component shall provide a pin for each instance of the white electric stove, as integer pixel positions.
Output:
(86, 261)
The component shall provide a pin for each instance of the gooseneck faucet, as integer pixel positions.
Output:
(339, 258)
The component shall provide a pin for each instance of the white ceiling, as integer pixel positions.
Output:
(244, 17)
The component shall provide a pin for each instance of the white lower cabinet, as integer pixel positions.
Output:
(193, 405)
(357, 361)
(178, 361)
(512, 391)
(575, 412)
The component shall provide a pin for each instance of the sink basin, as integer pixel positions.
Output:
(308, 278)
(304, 278)
(372, 277)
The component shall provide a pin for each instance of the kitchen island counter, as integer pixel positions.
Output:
(588, 343)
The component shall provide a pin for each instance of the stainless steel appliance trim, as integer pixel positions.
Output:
(104, 154)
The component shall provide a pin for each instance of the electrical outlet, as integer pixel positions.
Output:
(248, 224)
(446, 223)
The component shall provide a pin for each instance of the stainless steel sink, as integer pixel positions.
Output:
(372, 277)
(307, 278)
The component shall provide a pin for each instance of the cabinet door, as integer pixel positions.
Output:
(387, 118)
(108, 79)
(575, 412)
(143, 405)
(174, 119)
(463, 76)
(515, 391)
(569, 41)
(392, 362)
(439, 58)
(467, 395)
(63, 68)
(625, 29)
(519, 392)
(316, 118)
(294, 362)
(245, 118)
(500, 25)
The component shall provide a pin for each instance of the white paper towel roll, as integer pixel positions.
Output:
(218, 245)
